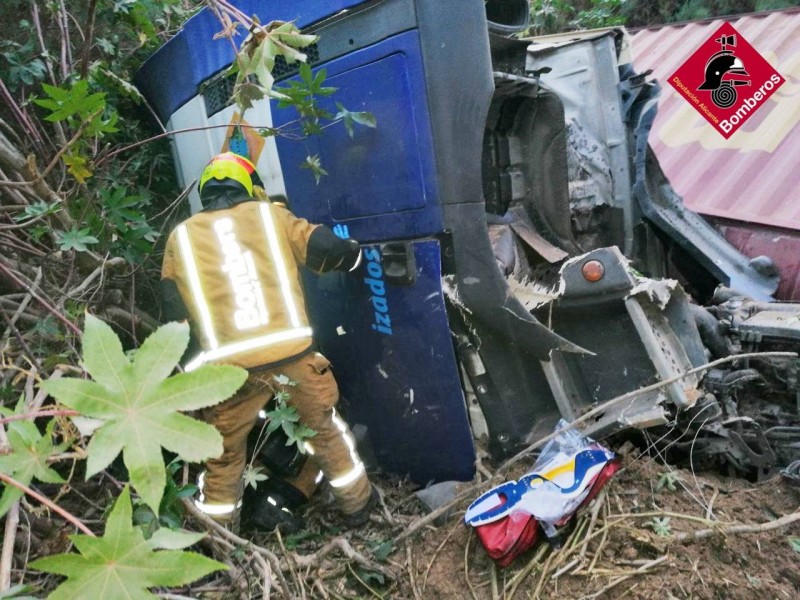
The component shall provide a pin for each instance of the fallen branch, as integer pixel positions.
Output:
(344, 546)
(41, 413)
(212, 525)
(12, 520)
(768, 526)
(645, 567)
(70, 325)
(48, 503)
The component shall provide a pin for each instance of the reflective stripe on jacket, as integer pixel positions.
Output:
(236, 272)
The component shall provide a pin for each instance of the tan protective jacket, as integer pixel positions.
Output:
(236, 272)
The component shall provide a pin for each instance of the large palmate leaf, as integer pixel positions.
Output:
(139, 403)
(28, 457)
(122, 564)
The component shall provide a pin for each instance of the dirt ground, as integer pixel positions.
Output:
(624, 557)
(451, 564)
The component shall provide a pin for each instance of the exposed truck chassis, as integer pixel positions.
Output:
(569, 181)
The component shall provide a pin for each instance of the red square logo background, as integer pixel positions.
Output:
(723, 102)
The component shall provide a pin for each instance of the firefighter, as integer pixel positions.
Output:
(231, 270)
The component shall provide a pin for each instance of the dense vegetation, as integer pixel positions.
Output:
(552, 16)
(87, 198)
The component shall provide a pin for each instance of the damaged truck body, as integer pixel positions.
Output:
(525, 257)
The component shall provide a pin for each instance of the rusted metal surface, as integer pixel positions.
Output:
(755, 175)
(781, 245)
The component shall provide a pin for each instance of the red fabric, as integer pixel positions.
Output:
(507, 538)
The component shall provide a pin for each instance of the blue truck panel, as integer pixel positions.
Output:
(382, 182)
(395, 362)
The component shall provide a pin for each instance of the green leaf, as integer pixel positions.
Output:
(139, 404)
(76, 166)
(371, 577)
(282, 379)
(660, 526)
(794, 543)
(167, 539)
(37, 209)
(382, 551)
(28, 457)
(15, 591)
(668, 481)
(314, 164)
(103, 357)
(246, 93)
(122, 564)
(293, 540)
(75, 239)
(252, 475)
(297, 434)
(349, 117)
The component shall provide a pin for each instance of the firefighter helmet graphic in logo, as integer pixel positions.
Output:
(721, 71)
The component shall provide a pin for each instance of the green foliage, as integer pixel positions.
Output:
(550, 16)
(553, 16)
(667, 481)
(382, 550)
(256, 59)
(14, 592)
(794, 543)
(774, 4)
(314, 164)
(348, 118)
(692, 10)
(170, 511)
(23, 63)
(253, 475)
(75, 239)
(77, 107)
(27, 460)
(601, 13)
(660, 526)
(38, 209)
(123, 564)
(293, 540)
(286, 417)
(254, 81)
(124, 224)
(138, 403)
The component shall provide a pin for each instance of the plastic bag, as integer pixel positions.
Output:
(569, 472)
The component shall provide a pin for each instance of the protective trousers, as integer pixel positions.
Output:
(331, 451)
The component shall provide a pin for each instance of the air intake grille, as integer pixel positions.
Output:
(284, 70)
(217, 92)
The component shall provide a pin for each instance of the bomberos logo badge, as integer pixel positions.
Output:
(726, 80)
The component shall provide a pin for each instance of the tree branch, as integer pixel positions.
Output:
(768, 526)
(48, 503)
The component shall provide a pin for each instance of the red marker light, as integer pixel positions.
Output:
(593, 270)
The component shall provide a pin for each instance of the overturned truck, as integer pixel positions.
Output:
(526, 259)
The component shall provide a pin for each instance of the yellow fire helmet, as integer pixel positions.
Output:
(230, 166)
